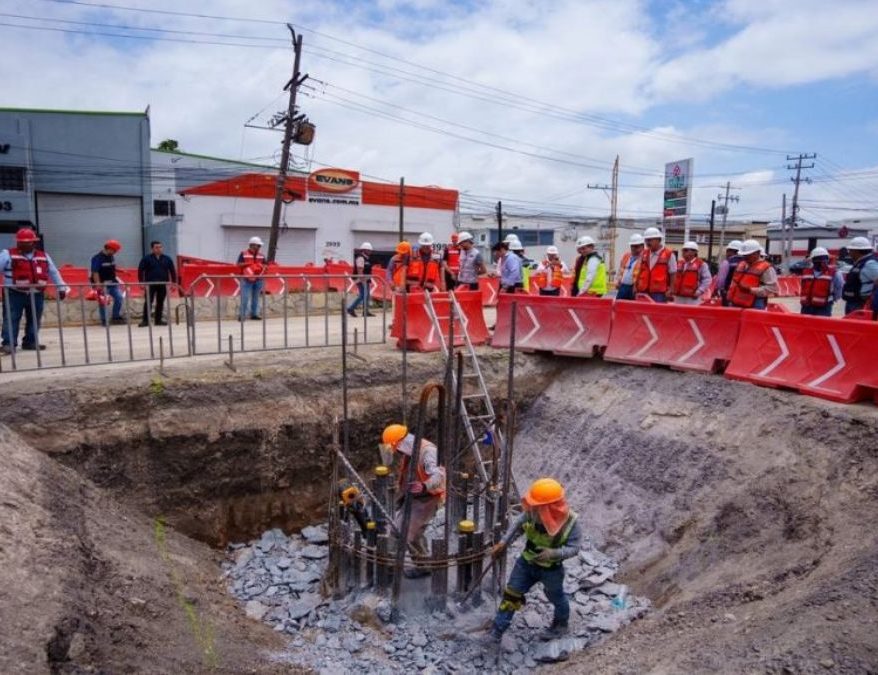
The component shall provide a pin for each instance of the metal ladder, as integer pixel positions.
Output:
(475, 425)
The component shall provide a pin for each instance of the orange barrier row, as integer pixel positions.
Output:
(789, 286)
(210, 280)
(814, 355)
(79, 280)
(421, 334)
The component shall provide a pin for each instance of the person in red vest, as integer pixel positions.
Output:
(554, 268)
(658, 266)
(27, 272)
(693, 277)
(629, 267)
(451, 262)
(252, 263)
(754, 280)
(821, 285)
(396, 268)
(424, 270)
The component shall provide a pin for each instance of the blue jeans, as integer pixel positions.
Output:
(523, 577)
(18, 303)
(625, 292)
(362, 297)
(818, 311)
(250, 292)
(854, 305)
(113, 291)
(658, 297)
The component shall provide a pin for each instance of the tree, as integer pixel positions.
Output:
(169, 145)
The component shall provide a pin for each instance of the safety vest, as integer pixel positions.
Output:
(557, 274)
(28, 272)
(255, 261)
(733, 261)
(420, 274)
(746, 276)
(525, 276)
(817, 288)
(623, 265)
(853, 285)
(538, 539)
(656, 279)
(452, 258)
(398, 271)
(687, 279)
(599, 283)
(420, 472)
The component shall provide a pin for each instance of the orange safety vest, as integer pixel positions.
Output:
(623, 265)
(421, 274)
(255, 261)
(687, 279)
(557, 273)
(453, 258)
(816, 290)
(399, 269)
(746, 276)
(422, 475)
(655, 280)
(28, 272)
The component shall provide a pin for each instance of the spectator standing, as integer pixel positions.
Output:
(105, 281)
(252, 263)
(693, 276)
(508, 268)
(821, 285)
(363, 272)
(629, 267)
(471, 264)
(862, 280)
(554, 269)
(157, 270)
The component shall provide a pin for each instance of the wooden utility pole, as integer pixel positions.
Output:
(290, 125)
(786, 237)
(402, 208)
(499, 221)
(612, 192)
(726, 200)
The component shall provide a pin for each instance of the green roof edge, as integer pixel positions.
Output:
(75, 112)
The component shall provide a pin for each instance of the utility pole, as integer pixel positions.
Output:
(794, 216)
(612, 192)
(786, 236)
(290, 126)
(710, 236)
(727, 199)
(499, 222)
(402, 208)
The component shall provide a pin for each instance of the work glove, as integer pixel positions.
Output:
(62, 295)
(417, 488)
(548, 555)
(497, 549)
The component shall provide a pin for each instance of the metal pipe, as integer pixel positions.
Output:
(13, 339)
(84, 329)
(219, 325)
(60, 330)
(405, 351)
(35, 319)
(307, 310)
(264, 316)
(286, 314)
(325, 311)
(128, 323)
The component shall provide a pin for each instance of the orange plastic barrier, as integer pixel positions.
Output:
(789, 286)
(570, 326)
(860, 315)
(684, 337)
(421, 335)
(814, 355)
(489, 287)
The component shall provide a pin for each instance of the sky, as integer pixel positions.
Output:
(527, 102)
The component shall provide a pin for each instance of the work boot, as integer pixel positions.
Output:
(352, 313)
(5, 349)
(256, 317)
(33, 348)
(118, 321)
(143, 324)
(558, 629)
(415, 572)
(370, 314)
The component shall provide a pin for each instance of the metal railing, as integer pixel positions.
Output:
(72, 333)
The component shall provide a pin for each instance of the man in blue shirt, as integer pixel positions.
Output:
(862, 279)
(104, 280)
(509, 268)
(155, 269)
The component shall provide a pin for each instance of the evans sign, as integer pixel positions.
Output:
(334, 186)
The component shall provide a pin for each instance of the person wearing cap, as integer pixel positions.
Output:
(692, 280)
(396, 268)
(629, 267)
(156, 270)
(590, 271)
(862, 279)
(451, 261)
(726, 267)
(554, 269)
(754, 279)
(508, 268)
(822, 284)
(427, 489)
(424, 269)
(658, 266)
(363, 272)
(105, 281)
(252, 263)
(553, 535)
(470, 264)
(27, 271)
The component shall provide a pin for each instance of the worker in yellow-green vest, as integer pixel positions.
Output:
(553, 535)
(590, 271)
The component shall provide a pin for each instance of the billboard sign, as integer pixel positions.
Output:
(334, 186)
(678, 191)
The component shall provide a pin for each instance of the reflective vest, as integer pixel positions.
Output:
(420, 472)
(746, 276)
(687, 279)
(599, 283)
(398, 270)
(28, 272)
(525, 276)
(817, 288)
(452, 258)
(853, 285)
(656, 279)
(255, 261)
(538, 539)
(623, 265)
(557, 275)
(734, 261)
(421, 274)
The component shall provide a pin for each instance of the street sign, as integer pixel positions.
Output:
(677, 195)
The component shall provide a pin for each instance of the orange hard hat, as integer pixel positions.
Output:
(113, 245)
(394, 433)
(26, 234)
(544, 491)
(403, 247)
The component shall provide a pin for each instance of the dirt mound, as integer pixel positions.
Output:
(746, 514)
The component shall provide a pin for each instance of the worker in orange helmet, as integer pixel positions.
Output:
(553, 535)
(396, 268)
(105, 281)
(427, 489)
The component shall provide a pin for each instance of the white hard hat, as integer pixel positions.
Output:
(860, 244)
(511, 238)
(366, 246)
(584, 240)
(515, 246)
(691, 245)
(464, 236)
(734, 245)
(652, 233)
(426, 239)
(818, 251)
(552, 250)
(256, 240)
(750, 246)
(636, 240)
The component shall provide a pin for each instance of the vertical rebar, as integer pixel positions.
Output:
(332, 573)
(356, 339)
(439, 579)
(405, 346)
(384, 571)
(161, 355)
(476, 565)
(231, 362)
(357, 561)
(371, 552)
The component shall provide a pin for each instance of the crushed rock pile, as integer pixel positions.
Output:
(277, 578)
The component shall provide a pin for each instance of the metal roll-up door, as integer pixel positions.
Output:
(294, 246)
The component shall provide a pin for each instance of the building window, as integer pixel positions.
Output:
(164, 207)
(12, 178)
(528, 237)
